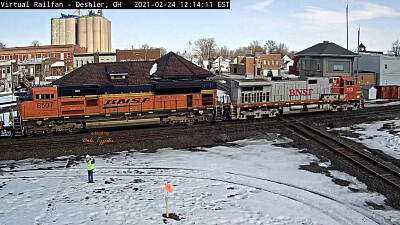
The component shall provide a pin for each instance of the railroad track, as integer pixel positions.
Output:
(379, 169)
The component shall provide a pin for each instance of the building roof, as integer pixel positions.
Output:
(170, 66)
(327, 49)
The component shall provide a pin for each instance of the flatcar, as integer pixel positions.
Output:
(61, 109)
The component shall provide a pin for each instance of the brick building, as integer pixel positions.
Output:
(365, 78)
(63, 53)
(138, 55)
(264, 64)
(35, 63)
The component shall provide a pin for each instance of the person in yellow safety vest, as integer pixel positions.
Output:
(90, 167)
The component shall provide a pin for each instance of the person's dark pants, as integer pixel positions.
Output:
(90, 175)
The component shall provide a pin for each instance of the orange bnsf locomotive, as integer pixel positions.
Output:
(61, 109)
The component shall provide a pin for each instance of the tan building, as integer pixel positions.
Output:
(365, 78)
(138, 55)
(264, 64)
(92, 31)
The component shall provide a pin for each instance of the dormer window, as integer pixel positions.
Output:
(116, 75)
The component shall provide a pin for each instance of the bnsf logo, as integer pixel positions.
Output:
(300, 92)
(126, 101)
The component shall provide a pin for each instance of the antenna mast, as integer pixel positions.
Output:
(347, 23)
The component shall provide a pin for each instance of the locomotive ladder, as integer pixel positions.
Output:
(17, 126)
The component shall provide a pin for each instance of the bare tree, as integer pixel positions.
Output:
(2, 45)
(163, 51)
(270, 47)
(291, 54)
(282, 49)
(205, 47)
(145, 46)
(224, 51)
(255, 46)
(242, 51)
(35, 43)
(396, 48)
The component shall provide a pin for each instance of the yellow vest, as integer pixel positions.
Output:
(89, 165)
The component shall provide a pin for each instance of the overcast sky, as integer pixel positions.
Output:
(298, 23)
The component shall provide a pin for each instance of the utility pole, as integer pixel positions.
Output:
(347, 23)
(358, 48)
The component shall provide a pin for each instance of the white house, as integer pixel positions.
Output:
(286, 61)
(221, 64)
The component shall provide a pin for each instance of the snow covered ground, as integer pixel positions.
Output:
(248, 182)
(372, 136)
(380, 102)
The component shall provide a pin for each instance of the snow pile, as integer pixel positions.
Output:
(153, 69)
(393, 142)
(248, 182)
(372, 136)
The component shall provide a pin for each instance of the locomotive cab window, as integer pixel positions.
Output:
(349, 83)
(44, 96)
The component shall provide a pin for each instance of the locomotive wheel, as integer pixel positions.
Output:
(50, 132)
(28, 133)
(189, 122)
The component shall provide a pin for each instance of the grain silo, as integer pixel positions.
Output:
(63, 30)
(94, 32)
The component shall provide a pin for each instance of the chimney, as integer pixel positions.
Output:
(327, 42)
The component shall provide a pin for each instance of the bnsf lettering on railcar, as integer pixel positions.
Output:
(126, 101)
(300, 92)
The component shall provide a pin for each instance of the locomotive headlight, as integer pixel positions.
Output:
(358, 96)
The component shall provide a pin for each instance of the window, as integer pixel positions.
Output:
(273, 62)
(338, 68)
(36, 55)
(318, 67)
(44, 96)
(81, 62)
(385, 66)
(42, 55)
(265, 62)
(5, 57)
(303, 64)
(48, 55)
(269, 62)
(77, 63)
(349, 83)
(312, 82)
(68, 54)
(277, 62)
(55, 55)
(11, 58)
